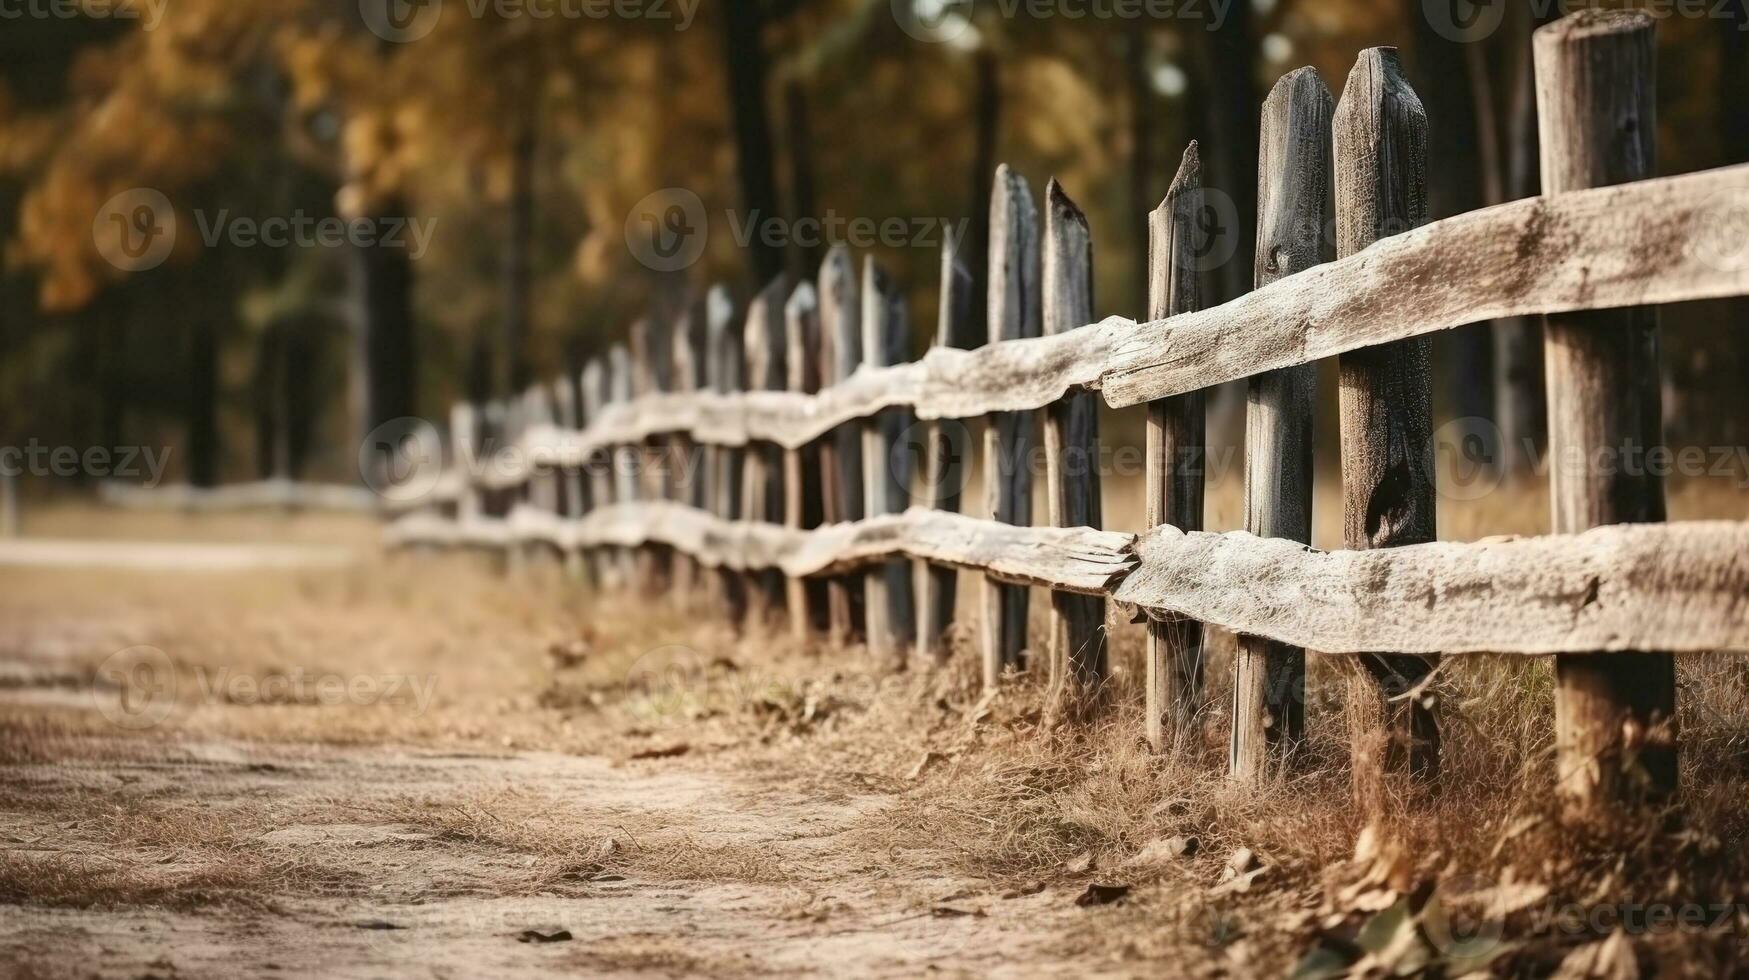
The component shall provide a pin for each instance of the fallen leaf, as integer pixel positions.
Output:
(1164, 850)
(924, 763)
(1030, 888)
(1101, 895)
(1611, 959)
(663, 752)
(536, 936)
(1079, 863)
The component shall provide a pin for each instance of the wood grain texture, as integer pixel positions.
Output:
(1175, 450)
(596, 389)
(948, 449)
(891, 606)
(841, 456)
(1678, 588)
(725, 364)
(627, 459)
(1614, 716)
(762, 476)
(801, 467)
(1293, 194)
(1014, 314)
(1072, 488)
(1386, 417)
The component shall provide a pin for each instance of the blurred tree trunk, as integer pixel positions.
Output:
(1228, 134)
(803, 197)
(1449, 76)
(1734, 83)
(745, 64)
(202, 398)
(986, 117)
(1142, 200)
(1520, 408)
(383, 352)
(518, 262)
(267, 386)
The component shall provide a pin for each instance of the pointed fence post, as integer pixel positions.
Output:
(597, 391)
(568, 414)
(651, 348)
(1078, 639)
(841, 451)
(1615, 713)
(1269, 683)
(948, 449)
(1388, 499)
(1014, 301)
(762, 493)
(727, 371)
(628, 461)
(801, 467)
(1176, 448)
(886, 473)
(686, 459)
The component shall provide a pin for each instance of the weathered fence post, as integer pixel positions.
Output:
(464, 442)
(1078, 642)
(686, 458)
(1615, 713)
(1175, 447)
(651, 349)
(886, 474)
(569, 415)
(1014, 301)
(727, 371)
(628, 460)
(949, 447)
(801, 467)
(1269, 682)
(762, 496)
(545, 481)
(841, 451)
(597, 387)
(1388, 498)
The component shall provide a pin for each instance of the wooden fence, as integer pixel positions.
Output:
(770, 460)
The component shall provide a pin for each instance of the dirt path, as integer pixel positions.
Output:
(387, 881)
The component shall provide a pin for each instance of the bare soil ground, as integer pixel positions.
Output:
(423, 766)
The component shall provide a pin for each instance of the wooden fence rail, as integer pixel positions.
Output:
(793, 479)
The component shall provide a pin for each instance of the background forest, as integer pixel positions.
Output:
(530, 147)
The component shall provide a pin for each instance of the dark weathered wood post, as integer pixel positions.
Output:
(686, 458)
(1388, 498)
(1615, 713)
(801, 467)
(762, 486)
(1269, 683)
(886, 474)
(727, 370)
(1176, 450)
(841, 451)
(1078, 641)
(946, 455)
(545, 484)
(1014, 312)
